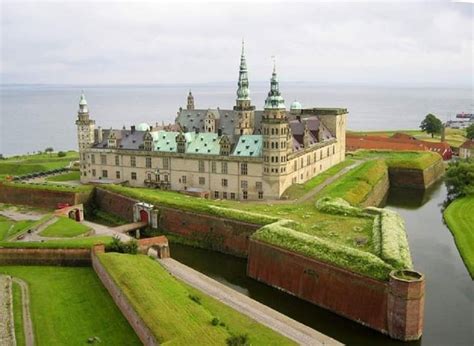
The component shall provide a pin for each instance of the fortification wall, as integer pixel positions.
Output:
(378, 193)
(115, 204)
(60, 257)
(415, 178)
(40, 198)
(137, 323)
(390, 307)
(215, 233)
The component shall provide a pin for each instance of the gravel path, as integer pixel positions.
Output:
(7, 325)
(25, 304)
(253, 309)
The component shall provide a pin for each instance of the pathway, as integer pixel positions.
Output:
(25, 305)
(7, 324)
(247, 306)
(105, 230)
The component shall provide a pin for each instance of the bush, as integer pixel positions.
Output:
(338, 206)
(215, 321)
(195, 298)
(460, 178)
(238, 340)
(116, 245)
(61, 154)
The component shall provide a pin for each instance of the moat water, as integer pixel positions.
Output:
(449, 305)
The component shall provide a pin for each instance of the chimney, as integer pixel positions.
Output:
(98, 138)
(132, 128)
(298, 117)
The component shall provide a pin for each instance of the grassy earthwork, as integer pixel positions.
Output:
(459, 217)
(70, 305)
(18, 314)
(177, 313)
(64, 227)
(69, 176)
(67, 243)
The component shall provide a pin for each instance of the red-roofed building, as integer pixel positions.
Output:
(399, 141)
(466, 150)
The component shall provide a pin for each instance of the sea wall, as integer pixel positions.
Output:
(389, 307)
(60, 257)
(378, 193)
(137, 323)
(416, 178)
(40, 198)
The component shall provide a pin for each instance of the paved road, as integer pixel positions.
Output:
(25, 305)
(253, 309)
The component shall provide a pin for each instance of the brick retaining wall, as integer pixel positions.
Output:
(144, 333)
(415, 178)
(27, 256)
(378, 193)
(389, 307)
(114, 203)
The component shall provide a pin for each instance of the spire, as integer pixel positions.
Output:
(243, 89)
(190, 105)
(83, 104)
(274, 99)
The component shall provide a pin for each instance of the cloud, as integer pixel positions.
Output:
(108, 42)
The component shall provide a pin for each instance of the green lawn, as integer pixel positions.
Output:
(10, 228)
(70, 305)
(18, 314)
(64, 227)
(165, 305)
(26, 164)
(51, 186)
(459, 216)
(298, 190)
(400, 159)
(72, 175)
(83, 242)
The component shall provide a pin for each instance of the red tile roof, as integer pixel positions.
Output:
(469, 144)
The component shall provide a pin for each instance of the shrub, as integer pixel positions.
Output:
(338, 206)
(238, 340)
(215, 321)
(61, 154)
(116, 245)
(195, 298)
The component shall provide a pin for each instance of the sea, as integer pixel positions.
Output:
(34, 117)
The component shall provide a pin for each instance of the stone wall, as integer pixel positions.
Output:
(40, 198)
(115, 204)
(378, 193)
(26, 256)
(215, 233)
(141, 329)
(389, 307)
(416, 178)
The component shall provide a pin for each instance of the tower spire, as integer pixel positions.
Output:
(83, 108)
(274, 99)
(243, 91)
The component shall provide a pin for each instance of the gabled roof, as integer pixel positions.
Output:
(249, 145)
(469, 144)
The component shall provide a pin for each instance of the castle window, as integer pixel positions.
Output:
(201, 166)
(301, 162)
(258, 185)
(245, 194)
(134, 176)
(321, 155)
(232, 195)
(295, 165)
(202, 180)
(276, 145)
(103, 159)
(244, 184)
(224, 167)
(166, 163)
(314, 157)
(243, 169)
(117, 174)
(260, 194)
(93, 172)
(276, 131)
(149, 176)
(333, 149)
(117, 160)
(216, 194)
(273, 131)
(328, 152)
(308, 160)
(213, 167)
(148, 162)
(133, 161)
(105, 174)
(224, 182)
(224, 195)
(166, 178)
(183, 179)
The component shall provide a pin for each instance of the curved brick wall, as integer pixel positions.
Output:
(66, 257)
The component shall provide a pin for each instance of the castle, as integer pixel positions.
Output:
(241, 153)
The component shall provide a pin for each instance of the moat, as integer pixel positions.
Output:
(449, 290)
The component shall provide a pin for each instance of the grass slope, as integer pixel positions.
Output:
(401, 159)
(73, 175)
(18, 314)
(85, 242)
(25, 164)
(70, 305)
(64, 227)
(164, 304)
(8, 229)
(459, 217)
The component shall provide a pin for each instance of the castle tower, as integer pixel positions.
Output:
(275, 129)
(245, 111)
(85, 132)
(190, 104)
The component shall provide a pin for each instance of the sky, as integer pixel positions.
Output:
(106, 42)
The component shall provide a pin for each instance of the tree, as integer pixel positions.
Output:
(61, 154)
(470, 131)
(432, 125)
(49, 150)
(460, 178)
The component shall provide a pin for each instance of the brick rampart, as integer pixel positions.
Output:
(62, 257)
(215, 233)
(378, 193)
(115, 204)
(416, 178)
(390, 307)
(40, 198)
(144, 333)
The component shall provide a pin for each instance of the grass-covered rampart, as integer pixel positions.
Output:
(49, 186)
(64, 227)
(177, 313)
(401, 159)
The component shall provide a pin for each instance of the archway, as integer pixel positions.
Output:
(144, 216)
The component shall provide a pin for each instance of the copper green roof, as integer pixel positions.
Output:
(249, 145)
(204, 143)
(164, 141)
